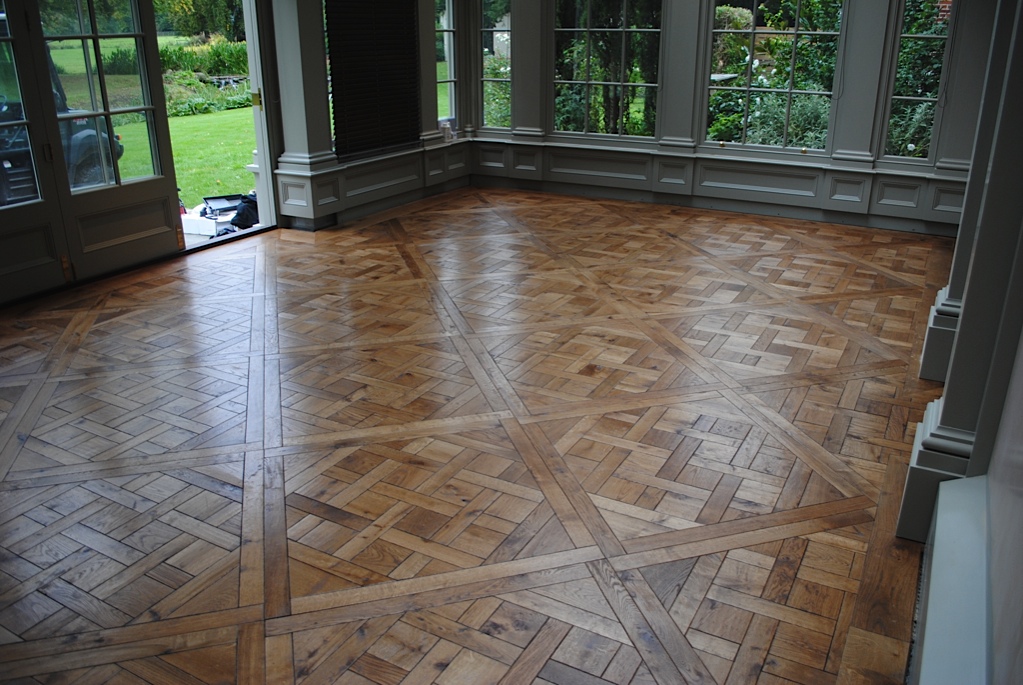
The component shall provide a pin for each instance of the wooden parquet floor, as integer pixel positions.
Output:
(490, 437)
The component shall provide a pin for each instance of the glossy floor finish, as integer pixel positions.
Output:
(491, 437)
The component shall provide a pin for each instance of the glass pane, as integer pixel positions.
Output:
(640, 110)
(17, 168)
(497, 104)
(730, 59)
(725, 119)
(116, 16)
(121, 73)
(643, 54)
(445, 50)
(63, 18)
(919, 69)
(75, 81)
(909, 128)
(606, 14)
(808, 121)
(443, 16)
(815, 63)
(820, 15)
(766, 123)
(606, 56)
(134, 134)
(605, 109)
(87, 152)
(644, 14)
(927, 17)
(772, 64)
(780, 16)
(571, 14)
(4, 31)
(570, 48)
(570, 107)
(496, 14)
(445, 98)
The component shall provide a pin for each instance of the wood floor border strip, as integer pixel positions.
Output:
(745, 525)
(724, 543)
(658, 398)
(127, 635)
(127, 466)
(400, 602)
(399, 588)
(666, 668)
(123, 652)
(413, 429)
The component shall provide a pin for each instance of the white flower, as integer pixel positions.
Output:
(911, 147)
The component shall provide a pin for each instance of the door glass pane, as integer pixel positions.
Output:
(87, 151)
(117, 16)
(122, 73)
(17, 168)
(75, 79)
(134, 136)
(100, 110)
(62, 18)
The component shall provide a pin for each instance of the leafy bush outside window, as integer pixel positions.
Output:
(772, 71)
(917, 77)
(496, 56)
(605, 77)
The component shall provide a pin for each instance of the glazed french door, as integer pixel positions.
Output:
(87, 185)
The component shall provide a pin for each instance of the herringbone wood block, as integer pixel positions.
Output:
(490, 437)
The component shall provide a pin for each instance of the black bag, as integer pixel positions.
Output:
(246, 213)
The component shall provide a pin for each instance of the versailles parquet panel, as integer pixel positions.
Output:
(491, 437)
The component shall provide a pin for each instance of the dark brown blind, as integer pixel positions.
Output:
(374, 75)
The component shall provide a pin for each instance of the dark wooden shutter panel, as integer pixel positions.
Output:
(374, 74)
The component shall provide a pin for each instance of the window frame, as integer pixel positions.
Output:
(708, 88)
(623, 82)
(890, 98)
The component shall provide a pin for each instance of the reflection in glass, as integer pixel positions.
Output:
(87, 152)
(117, 17)
(63, 18)
(74, 76)
(4, 31)
(17, 167)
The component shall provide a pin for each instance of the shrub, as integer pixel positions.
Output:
(218, 57)
(121, 61)
(187, 95)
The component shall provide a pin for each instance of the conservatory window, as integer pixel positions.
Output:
(444, 21)
(917, 77)
(772, 69)
(605, 74)
(497, 63)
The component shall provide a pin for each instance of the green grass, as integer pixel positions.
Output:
(443, 101)
(210, 153)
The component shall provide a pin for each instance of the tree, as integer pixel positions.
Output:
(204, 17)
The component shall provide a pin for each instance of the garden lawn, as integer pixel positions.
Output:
(210, 153)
